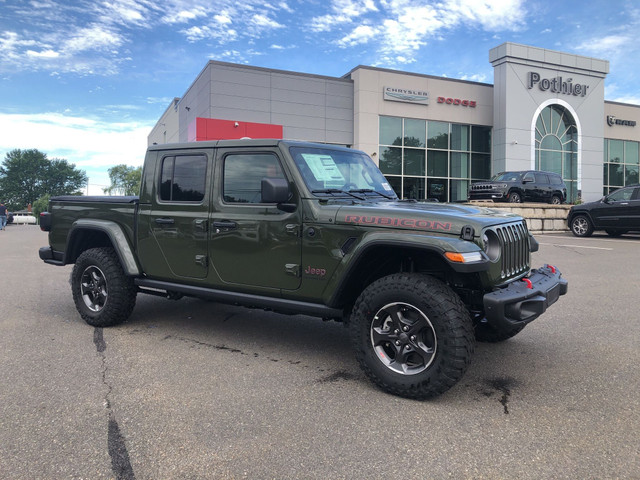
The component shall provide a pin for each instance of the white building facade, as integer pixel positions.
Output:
(431, 136)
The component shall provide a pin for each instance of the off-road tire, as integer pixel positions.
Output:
(103, 294)
(490, 334)
(581, 226)
(436, 346)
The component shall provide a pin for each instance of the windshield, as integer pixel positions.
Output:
(507, 177)
(328, 171)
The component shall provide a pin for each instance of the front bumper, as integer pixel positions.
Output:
(486, 195)
(524, 300)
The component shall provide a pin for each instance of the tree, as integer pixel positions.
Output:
(41, 205)
(27, 175)
(125, 180)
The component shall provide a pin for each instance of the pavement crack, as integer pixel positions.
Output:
(120, 462)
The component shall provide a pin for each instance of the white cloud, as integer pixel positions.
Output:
(43, 54)
(91, 145)
(361, 34)
(399, 28)
(607, 46)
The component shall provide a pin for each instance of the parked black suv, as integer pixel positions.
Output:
(616, 214)
(517, 187)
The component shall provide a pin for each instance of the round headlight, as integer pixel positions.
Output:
(491, 245)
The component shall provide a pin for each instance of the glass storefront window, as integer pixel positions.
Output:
(437, 163)
(391, 160)
(414, 133)
(437, 189)
(556, 145)
(631, 153)
(459, 137)
(459, 167)
(413, 188)
(630, 174)
(481, 139)
(425, 159)
(480, 166)
(621, 164)
(390, 131)
(459, 190)
(616, 151)
(413, 162)
(438, 135)
(616, 175)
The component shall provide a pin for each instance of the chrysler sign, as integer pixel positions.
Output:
(405, 95)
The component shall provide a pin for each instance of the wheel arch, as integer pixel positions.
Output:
(586, 213)
(86, 233)
(382, 258)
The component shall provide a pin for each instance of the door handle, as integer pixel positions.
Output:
(164, 221)
(224, 225)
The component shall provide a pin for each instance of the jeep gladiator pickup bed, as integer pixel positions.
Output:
(312, 229)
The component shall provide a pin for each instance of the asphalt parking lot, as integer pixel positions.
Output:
(197, 390)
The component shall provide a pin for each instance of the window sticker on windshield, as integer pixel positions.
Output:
(324, 169)
(387, 187)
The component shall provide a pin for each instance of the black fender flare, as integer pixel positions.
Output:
(115, 234)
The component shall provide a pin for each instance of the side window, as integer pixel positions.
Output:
(542, 178)
(528, 177)
(623, 194)
(183, 178)
(243, 174)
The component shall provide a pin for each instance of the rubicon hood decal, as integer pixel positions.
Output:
(398, 222)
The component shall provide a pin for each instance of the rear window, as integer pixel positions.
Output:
(183, 178)
(555, 180)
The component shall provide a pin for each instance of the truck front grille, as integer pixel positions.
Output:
(514, 242)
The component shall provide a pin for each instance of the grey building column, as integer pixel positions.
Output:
(526, 80)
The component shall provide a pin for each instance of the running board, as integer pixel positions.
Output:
(281, 305)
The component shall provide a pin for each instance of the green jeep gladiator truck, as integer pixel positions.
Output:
(311, 229)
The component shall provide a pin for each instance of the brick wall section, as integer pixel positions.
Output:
(540, 217)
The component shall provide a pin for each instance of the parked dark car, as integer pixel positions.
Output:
(517, 187)
(616, 214)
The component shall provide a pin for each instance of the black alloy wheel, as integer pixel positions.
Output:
(514, 197)
(412, 334)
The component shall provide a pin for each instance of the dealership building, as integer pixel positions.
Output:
(431, 136)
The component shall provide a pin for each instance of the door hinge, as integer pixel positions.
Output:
(202, 260)
(292, 269)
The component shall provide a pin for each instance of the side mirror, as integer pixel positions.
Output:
(276, 190)
(606, 200)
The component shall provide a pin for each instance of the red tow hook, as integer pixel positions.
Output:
(528, 282)
(551, 267)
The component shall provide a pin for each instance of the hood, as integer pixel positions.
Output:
(422, 216)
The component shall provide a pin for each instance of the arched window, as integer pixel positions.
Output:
(557, 146)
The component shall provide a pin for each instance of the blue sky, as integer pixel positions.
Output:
(87, 80)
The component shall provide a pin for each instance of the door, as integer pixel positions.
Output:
(178, 215)
(528, 187)
(543, 187)
(617, 209)
(252, 243)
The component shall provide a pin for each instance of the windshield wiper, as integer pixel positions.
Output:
(370, 190)
(337, 190)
